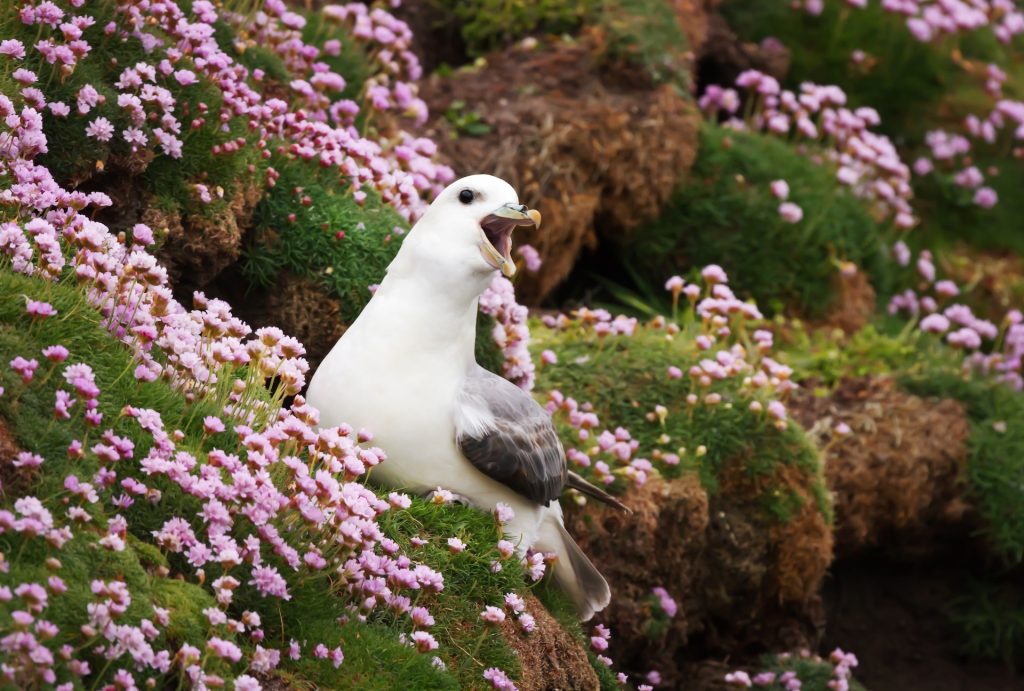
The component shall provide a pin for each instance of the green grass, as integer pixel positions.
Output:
(625, 378)
(724, 213)
(374, 656)
(990, 617)
(309, 246)
(490, 24)
(646, 35)
(813, 672)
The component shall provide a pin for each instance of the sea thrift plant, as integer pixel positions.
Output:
(866, 162)
(931, 21)
(731, 367)
(265, 501)
(935, 307)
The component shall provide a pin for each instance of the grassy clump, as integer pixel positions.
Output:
(297, 225)
(950, 215)
(625, 379)
(995, 469)
(990, 616)
(645, 34)
(827, 357)
(901, 77)
(489, 24)
(374, 655)
(725, 214)
(813, 672)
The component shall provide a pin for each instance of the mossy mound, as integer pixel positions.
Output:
(984, 468)
(375, 657)
(725, 213)
(598, 155)
(898, 475)
(738, 532)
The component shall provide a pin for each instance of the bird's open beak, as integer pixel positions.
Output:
(496, 230)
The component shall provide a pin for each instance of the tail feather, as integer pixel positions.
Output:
(580, 485)
(575, 573)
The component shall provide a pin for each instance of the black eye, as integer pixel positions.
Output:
(466, 196)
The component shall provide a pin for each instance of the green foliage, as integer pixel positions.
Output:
(950, 215)
(990, 616)
(826, 357)
(996, 452)
(289, 233)
(489, 24)
(469, 123)
(646, 34)
(725, 214)
(624, 378)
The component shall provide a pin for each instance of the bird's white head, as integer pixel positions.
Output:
(468, 229)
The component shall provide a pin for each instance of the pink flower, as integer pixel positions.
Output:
(455, 545)
(776, 410)
(268, 581)
(100, 129)
(213, 424)
(37, 308)
(531, 256)
(739, 678)
(55, 353)
(666, 602)
(503, 512)
(946, 289)
(492, 615)
(421, 616)
(185, 77)
(23, 76)
(780, 189)
(24, 368)
(12, 48)
(790, 212)
(224, 649)
(675, 285)
(548, 357)
(423, 641)
(966, 338)
(514, 602)
(986, 197)
(498, 679)
(713, 273)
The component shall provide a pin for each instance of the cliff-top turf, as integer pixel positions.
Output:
(198, 197)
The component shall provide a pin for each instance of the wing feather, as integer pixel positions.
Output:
(506, 435)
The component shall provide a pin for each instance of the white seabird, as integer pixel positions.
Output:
(406, 370)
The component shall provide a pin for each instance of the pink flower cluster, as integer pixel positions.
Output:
(181, 51)
(951, 153)
(866, 162)
(993, 350)
(842, 665)
(599, 643)
(511, 333)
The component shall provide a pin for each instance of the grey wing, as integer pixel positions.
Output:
(507, 436)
